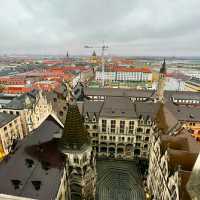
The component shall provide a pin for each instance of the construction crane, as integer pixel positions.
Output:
(103, 48)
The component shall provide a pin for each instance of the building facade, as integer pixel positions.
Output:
(52, 163)
(118, 127)
(170, 164)
(125, 74)
(10, 131)
(33, 108)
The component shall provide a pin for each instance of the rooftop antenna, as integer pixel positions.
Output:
(103, 48)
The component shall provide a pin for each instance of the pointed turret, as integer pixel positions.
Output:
(75, 136)
(163, 69)
(161, 83)
(80, 158)
(94, 54)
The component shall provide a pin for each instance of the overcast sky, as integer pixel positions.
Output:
(129, 27)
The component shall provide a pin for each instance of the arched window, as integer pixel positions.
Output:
(76, 160)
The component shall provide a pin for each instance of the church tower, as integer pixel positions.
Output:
(93, 59)
(80, 158)
(161, 83)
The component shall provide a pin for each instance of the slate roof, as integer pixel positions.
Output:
(183, 95)
(25, 101)
(40, 149)
(91, 108)
(194, 81)
(185, 113)
(117, 92)
(148, 109)
(118, 107)
(5, 118)
(140, 93)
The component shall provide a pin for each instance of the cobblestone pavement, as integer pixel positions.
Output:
(118, 180)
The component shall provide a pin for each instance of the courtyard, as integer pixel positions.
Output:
(118, 180)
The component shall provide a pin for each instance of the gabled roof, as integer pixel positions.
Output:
(75, 136)
(5, 118)
(165, 119)
(118, 107)
(185, 113)
(39, 149)
(147, 109)
(127, 69)
(25, 101)
(92, 108)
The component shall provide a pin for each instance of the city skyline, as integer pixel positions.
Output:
(134, 28)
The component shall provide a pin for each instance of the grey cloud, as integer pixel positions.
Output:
(131, 27)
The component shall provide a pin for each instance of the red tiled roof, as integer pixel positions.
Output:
(127, 69)
(52, 62)
(12, 80)
(15, 90)
(76, 68)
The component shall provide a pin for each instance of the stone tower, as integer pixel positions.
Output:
(93, 59)
(80, 158)
(161, 83)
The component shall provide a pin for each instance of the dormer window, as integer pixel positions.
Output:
(94, 119)
(141, 121)
(86, 118)
(76, 160)
(191, 116)
(148, 122)
(29, 162)
(16, 183)
(36, 184)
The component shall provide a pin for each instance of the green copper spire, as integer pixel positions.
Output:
(75, 136)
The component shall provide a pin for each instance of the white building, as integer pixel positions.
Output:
(125, 74)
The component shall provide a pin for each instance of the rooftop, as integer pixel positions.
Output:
(184, 113)
(165, 119)
(36, 166)
(147, 109)
(75, 136)
(128, 69)
(189, 95)
(5, 118)
(26, 100)
(182, 149)
(118, 107)
(194, 81)
(117, 92)
(91, 108)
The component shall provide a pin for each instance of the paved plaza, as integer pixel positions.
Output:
(118, 180)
